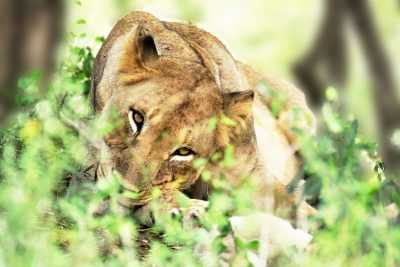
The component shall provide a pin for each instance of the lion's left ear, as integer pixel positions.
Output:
(238, 105)
(237, 126)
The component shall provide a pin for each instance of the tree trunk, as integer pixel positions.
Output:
(385, 92)
(29, 32)
(329, 54)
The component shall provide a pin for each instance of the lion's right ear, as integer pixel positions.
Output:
(146, 48)
(139, 51)
(128, 53)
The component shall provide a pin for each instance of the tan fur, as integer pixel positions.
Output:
(189, 79)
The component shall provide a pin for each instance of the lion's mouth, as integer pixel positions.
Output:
(198, 190)
(134, 199)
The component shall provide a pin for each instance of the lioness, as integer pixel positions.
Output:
(167, 81)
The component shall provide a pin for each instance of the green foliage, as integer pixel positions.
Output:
(352, 226)
(44, 224)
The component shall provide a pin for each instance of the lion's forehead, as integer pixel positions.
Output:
(163, 98)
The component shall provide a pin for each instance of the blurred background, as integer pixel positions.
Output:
(352, 45)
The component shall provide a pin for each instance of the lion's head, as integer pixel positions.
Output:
(170, 89)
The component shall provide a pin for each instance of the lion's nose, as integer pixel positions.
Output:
(129, 186)
(163, 176)
(139, 176)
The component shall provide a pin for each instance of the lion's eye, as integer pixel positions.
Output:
(136, 121)
(183, 151)
(183, 154)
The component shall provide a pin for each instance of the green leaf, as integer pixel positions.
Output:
(81, 21)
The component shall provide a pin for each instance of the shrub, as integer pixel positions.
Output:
(48, 207)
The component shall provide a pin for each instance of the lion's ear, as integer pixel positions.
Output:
(238, 105)
(146, 48)
(237, 126)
